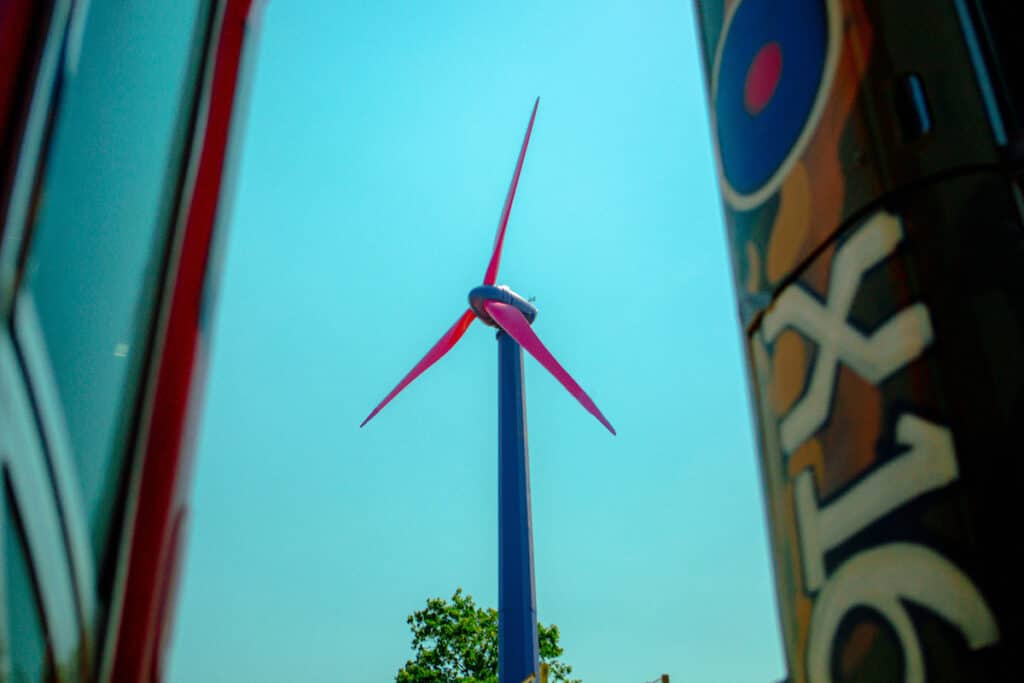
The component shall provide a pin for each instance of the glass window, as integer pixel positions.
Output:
(103, 222)
(19, 604)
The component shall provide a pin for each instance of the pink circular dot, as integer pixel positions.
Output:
(762, 78)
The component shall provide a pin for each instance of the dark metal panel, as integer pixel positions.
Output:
(847, 147)
(890, 390)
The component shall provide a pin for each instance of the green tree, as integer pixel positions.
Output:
(457, 642)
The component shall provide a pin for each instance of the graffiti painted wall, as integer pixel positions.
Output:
(865, 160)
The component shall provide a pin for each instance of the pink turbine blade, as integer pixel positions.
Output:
(513, 322)
(443, 346)
(492, 268)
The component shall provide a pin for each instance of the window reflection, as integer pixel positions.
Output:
(26, 639)
(104, 220)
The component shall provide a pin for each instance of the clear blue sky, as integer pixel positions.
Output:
(379, 146)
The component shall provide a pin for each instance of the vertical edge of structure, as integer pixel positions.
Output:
(518, 655)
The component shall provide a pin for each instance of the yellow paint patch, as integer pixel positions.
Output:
(789, 371)
(792, 225)
(802, 606)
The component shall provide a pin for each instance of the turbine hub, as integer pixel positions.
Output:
(484, 293)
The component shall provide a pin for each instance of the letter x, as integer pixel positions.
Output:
(896, 342)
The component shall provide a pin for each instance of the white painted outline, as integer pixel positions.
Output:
(743, 202)
(882, 579)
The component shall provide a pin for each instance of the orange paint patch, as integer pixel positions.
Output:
(792, 225)
(857, 647)
(816, 275)
(789, 371)
(850, 439)
(823, 160)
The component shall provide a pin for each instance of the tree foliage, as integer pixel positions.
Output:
(457, 642)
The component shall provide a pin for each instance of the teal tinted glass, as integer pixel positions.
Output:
(104, 220)
(26, 639)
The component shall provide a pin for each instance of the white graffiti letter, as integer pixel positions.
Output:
(883, 577)
(891, 346)
(929, 464)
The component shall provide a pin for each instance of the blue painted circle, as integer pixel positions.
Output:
(752, 147)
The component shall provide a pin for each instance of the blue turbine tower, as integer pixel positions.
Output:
(512, 315)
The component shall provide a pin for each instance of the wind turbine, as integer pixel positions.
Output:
(512, 315)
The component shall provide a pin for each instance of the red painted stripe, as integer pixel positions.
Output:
(168, 451)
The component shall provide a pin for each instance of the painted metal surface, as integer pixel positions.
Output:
(81, 617)
(849, 149)
(518, 647)
(160, 507)
(877, 256)
(87, 634)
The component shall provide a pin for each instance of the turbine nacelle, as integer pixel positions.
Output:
(479, 296)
